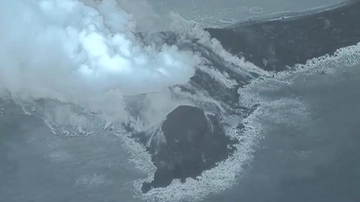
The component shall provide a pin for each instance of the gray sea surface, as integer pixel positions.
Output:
(315, 161)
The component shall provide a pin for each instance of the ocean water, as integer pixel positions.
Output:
(293, 111)
(316, 159)
(212, 13)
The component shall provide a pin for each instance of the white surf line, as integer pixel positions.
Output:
(343, 57)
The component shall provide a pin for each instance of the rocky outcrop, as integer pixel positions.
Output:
(186, 144)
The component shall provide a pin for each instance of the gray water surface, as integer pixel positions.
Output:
(39, 166)
(317, 162)
(214, 13)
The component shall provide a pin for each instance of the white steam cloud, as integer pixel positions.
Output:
(73, 51)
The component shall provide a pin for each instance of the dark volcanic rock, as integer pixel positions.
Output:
(276, 44)
(187, 143)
